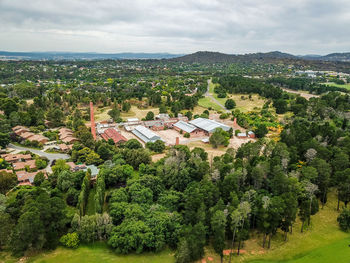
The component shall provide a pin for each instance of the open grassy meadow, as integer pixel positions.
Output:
(99, 252)
(347, 86)
(322, 242)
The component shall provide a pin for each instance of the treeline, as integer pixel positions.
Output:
(304, 84)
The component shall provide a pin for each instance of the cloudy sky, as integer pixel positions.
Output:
(175, 26)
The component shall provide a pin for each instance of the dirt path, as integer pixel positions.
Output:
(301, 93)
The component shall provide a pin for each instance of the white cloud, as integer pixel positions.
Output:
(179, 26)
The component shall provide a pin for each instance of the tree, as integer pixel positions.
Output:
(219, 137)
(39, 178)
(133, 144)
(56, 117)
(230, 104)
(344, 220)
(9, 106)
(114, 114)
(4, 139)
(218, 225)
(261, 130)
(6, 227)
(7, 181)
(150, 116)
(126, 106)
(280, 105)
(60, 166)
(157, 146)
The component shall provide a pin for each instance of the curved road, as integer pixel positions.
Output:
(50, 156)
(208, 94)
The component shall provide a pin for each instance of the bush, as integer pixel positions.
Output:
(71, 240)
(187, 135)
(157, 146)
(230, 104)
(344, 220)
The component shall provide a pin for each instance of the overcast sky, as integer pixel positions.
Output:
(176, 26)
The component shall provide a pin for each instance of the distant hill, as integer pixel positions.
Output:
(217, 57)
(81, 56)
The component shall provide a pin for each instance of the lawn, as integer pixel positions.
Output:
(206, 102)
(347, 86)
(322, 242)
(99, 252)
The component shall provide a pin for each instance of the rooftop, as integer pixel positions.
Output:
(145, 134)
(186, 127)
(209, 125)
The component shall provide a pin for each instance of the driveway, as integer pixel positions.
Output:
(50, 156)
(208, 94)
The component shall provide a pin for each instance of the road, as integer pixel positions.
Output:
(50, 156)
(208, 94)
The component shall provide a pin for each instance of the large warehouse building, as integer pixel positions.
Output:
(209, 126)
(146, 135)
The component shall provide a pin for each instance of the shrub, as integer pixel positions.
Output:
(187, 135)
(344, 220)
(70, 240)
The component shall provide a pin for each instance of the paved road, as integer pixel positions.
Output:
(50, 156)
(208, 94)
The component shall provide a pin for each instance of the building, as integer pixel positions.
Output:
(146, 135)
(66, 135)
(155, 125)
(22, 165)
(188, 128)
(93, 169)
(26, 178)
(209, 126)
(251, 134)
(111, 133)
(39, 138)
(76, 167)
(13, 158)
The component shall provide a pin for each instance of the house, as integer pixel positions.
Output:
(22, 165)
(188, 128)
(69, 139)
(26, 178)
(64, 147)
(18, 130)
(27, 135)
(209, 126)
(93, 169)
(12, 158)
(76, 167)
(111, 133)
(146, 135)
(39, 138)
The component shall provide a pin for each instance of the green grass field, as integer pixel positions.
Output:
(99, 252)
(322, 242)
(347, 86)
(206, 102)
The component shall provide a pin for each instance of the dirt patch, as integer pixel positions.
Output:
(302, 93)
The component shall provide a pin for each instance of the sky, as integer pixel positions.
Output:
(176, 26)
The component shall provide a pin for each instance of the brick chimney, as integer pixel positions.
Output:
(177, 142)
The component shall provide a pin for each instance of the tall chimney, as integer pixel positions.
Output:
(92, 119)
(177, 142)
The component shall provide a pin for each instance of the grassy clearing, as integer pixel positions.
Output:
(347, 86)
(99, 252)
(206, 102)
(323, 240)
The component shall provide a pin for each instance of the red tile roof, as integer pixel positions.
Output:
(114, 135)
